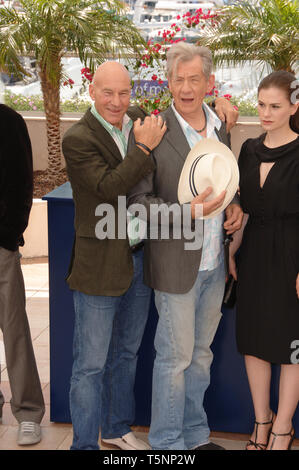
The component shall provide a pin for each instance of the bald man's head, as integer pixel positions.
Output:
(111, 91)
(111, 68)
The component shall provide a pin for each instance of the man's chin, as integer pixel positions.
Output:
(115, 118)
(187, 107)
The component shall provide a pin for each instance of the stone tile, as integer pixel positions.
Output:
(8, 418)
(60, 435)
(36, 271)
(46, 418)
(37, 306)
(36, 333)
(43, 371)
(2, 354)
(229, 444)
(37, 321)
(42, 352)
(37, 260)
(5, 389)
(3, 429)
(52, 437)
(36, 279)
(46, 393)
(66, 444)
(42, 338)
(4, 375)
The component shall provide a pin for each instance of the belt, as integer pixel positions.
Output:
(137, 247)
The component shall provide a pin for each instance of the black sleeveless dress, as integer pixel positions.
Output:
(267, 303)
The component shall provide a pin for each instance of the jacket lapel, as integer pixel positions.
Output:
(175, 135)
(103, 136)
(223, 136)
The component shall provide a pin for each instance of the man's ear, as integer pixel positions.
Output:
(211, 83)
(169, 84)
(91, 91)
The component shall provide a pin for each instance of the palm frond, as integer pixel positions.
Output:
(47, 29)
(265, 32)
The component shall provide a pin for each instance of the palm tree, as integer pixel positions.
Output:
(264, 31)
(46, 30)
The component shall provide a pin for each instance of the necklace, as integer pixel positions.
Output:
(201, 130)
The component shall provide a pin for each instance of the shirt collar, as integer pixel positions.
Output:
(212, 118)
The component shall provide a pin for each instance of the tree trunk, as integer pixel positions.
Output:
(51, 96)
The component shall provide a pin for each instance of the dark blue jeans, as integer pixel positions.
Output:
(107, 335)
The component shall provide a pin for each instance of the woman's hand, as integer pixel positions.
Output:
(297, 285)
(226, 112)
(234, 218)
(232, 267)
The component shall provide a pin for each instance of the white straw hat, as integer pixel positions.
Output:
(209, 163)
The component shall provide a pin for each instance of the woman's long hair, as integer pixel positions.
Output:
(287, 82)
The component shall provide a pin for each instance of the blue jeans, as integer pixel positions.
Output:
(186, 328)
(107, 335)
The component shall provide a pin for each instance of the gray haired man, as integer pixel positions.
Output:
(189, 285)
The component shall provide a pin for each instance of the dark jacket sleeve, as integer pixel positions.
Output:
(16, 178)
(92, 166)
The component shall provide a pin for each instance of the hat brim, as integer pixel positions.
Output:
(202, 147)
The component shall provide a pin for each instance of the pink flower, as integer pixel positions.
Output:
(155, 112)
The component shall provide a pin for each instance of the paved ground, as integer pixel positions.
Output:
(58, 436)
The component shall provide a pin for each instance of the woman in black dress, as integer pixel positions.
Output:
(268, 268)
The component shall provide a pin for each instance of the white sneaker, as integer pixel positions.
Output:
(126, 442)
(29, 433)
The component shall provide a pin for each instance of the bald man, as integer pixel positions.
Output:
(110, 300)
(107, 154)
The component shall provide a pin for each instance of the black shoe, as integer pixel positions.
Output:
(209, 446)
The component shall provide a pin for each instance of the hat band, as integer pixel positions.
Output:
(192, 173)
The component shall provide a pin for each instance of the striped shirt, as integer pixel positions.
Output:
(121, 137)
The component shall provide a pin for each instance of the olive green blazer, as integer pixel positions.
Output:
(98, 174)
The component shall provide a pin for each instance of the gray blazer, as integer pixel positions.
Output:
(168, 266)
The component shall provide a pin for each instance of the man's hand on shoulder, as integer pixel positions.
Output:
(150, 132)
(226, 112)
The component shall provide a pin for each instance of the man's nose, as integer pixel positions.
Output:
(186, 86)
(115, 100)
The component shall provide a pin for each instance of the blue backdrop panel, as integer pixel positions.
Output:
(227, 402)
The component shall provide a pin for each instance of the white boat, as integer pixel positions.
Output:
(152, 16)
